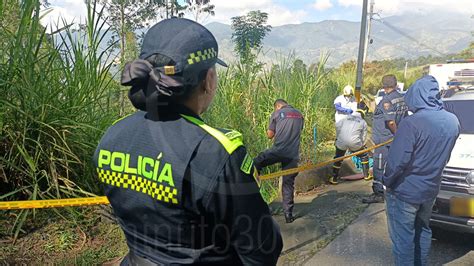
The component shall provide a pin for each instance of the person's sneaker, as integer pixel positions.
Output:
(333, 180)
(369, 177)
(374, 198)
(289, 218)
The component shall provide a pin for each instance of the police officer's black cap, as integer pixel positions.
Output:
(190, 45)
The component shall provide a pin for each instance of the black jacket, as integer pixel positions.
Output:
(185, 193)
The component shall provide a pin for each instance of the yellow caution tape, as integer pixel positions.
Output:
(59, 203)
(310, 166)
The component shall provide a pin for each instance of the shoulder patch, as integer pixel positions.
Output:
(247, 164)
(233, 134)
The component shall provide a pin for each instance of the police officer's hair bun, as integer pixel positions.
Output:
(148, 81)
(189, 81)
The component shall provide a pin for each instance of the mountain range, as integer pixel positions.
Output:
(408, 36)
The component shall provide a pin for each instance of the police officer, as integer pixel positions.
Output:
(387, 116)
(284, 128)
(181, 189)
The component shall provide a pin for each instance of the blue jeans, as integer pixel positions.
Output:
(408, 226)
(380, 158)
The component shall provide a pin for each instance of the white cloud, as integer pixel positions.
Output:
(396, 7)
(347, 3)
(277, 14)
(241, 4)
(64, 12)
(322, 5)
(75, 10)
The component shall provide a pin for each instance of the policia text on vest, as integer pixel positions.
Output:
(151, 176)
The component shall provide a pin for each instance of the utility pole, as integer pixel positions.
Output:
(360, 59)
(405, 73)
(369, 27)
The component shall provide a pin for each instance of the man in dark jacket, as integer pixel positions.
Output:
(285, 128)
(421, 149)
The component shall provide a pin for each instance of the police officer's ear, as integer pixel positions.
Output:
(210, 82)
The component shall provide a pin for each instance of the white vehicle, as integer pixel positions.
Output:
(379, 96)
(458, 70)
(454, 207)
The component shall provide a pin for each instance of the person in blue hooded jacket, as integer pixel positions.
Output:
(420, 150)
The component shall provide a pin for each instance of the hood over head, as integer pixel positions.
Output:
(424, 95)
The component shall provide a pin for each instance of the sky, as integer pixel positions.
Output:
(290, 11)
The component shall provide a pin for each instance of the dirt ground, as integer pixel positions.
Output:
(322, 215)
(53, 239)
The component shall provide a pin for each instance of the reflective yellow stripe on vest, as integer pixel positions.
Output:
(121, 118)
(231, 141)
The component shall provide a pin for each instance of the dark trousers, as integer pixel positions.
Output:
(269, 157)
(364, 157)
(380, 159)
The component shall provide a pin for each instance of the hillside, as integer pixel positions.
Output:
(446, 33)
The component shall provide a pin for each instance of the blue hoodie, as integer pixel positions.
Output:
(422, 145)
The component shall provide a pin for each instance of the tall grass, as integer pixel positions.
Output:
(55, 94)
(245, 100)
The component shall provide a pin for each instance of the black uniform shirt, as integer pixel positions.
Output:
(287, 124)
(185, 193)
(391, 107)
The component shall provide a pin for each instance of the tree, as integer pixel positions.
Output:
(249, 32)
(125, 16)
(299, 66)
(174, 9)
(199, 7)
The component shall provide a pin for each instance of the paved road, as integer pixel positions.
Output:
(320, 216)
(366, 242)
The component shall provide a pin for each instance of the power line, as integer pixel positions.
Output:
(408, 53)
(395, 29)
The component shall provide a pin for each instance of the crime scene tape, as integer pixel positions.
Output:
(59, 203)
(310, 166)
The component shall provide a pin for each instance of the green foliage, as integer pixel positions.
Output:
(54, 105)
(200, 7)
(128, 16)
(373, 73)
(467, 53)
(249, 32)
(399, 63)
(174, 9)
(245, 99)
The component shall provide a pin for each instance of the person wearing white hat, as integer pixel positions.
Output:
(345, 104)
